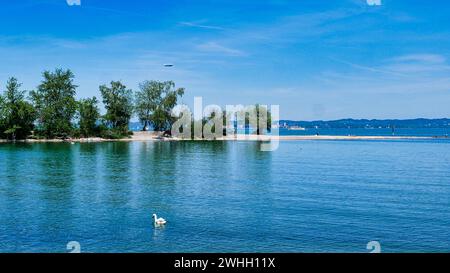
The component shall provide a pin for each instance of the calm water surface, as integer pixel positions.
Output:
(422, 132)
(308, 196)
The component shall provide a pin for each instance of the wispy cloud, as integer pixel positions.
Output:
(373, 2)
(199, 25)
(419, 64)
(125, 56)
(294, 29)
(404, 74)
(73, 2)
(422, 58)
(374, 69)
(404, 65)
(215, 47)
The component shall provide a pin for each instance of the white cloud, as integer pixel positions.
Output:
(374, 2)
(404, 66)
(199, 25)
(372, 69)
(424, 58)
(419, 65)
(406, 74)
(73, 2)
(218, 48)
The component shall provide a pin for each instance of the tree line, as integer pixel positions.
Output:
(52, 110)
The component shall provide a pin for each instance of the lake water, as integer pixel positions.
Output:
(422, 132)
(308, 196)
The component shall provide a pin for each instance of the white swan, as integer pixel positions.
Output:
(158, 221)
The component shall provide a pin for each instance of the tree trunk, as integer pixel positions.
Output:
(145, 126)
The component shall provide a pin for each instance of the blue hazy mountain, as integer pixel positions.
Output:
(372, 123)
(354, 123)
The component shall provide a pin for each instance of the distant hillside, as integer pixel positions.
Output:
(354, 123)
(374, 123)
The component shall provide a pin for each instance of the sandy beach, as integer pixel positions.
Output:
(154, 136)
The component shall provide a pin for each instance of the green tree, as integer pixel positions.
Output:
(118, 101)
(154, 103)
(261, 113)
(88, 115)
(55, 103)
(18, 114)
(2, 117)
(146, 100)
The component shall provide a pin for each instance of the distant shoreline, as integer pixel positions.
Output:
(152, 136)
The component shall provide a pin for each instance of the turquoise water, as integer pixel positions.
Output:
(422, 132)
(308, 196)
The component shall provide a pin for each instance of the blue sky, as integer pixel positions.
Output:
(325, 59)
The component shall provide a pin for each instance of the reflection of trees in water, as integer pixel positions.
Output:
(249, 161)
(118, 185)
(156, 176)
(55, 166)
(54, 169)
(250, 183)
(13, 161)
(116, 172)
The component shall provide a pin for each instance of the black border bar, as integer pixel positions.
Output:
(216, 262)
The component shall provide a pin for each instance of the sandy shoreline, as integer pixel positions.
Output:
(287, 138)
(152, 136)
